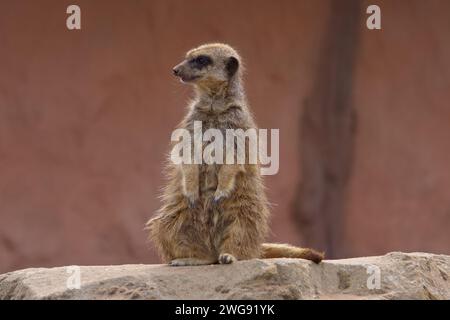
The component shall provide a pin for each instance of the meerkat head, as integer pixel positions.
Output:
(209, 66)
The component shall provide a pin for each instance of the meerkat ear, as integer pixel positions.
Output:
(231, 66)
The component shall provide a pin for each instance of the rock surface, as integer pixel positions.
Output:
(400, 275)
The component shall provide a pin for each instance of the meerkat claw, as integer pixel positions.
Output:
(226, 258)
(219, 197)
(192, 201)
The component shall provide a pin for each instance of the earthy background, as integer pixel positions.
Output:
(86, 116)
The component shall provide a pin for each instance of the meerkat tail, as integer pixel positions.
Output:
(279, 250)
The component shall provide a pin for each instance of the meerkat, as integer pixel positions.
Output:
(215, 213)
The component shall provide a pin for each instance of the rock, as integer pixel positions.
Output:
(400, 275)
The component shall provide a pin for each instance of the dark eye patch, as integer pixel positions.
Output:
(200, 62)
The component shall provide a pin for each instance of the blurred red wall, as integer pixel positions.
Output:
(86, 117)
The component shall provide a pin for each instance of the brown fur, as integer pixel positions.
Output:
(216, 213)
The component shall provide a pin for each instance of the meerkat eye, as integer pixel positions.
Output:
(200, 62)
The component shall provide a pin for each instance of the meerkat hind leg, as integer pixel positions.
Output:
(190, 262)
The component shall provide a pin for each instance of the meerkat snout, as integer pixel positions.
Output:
(193, 68)
(208, 65)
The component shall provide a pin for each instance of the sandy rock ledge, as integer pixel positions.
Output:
(393, 276)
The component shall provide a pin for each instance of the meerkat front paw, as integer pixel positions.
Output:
(220, 195)
(192, 198)
(226, 258)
